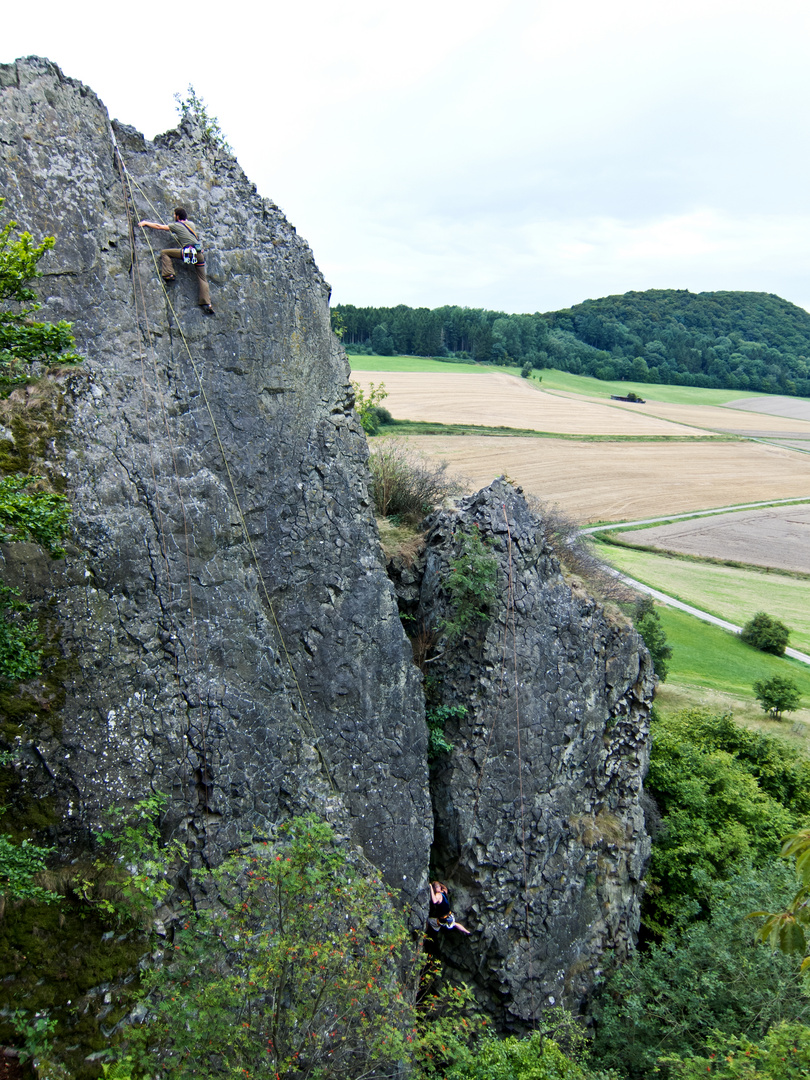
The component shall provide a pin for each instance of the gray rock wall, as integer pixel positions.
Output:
(234, 640)
(225, 629)
(539, 827)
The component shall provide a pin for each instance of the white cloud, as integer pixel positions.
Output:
(516, 155)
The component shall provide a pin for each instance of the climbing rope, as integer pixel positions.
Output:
(231, 482)
(141, 311)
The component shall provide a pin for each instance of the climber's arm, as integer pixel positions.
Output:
(153, 225)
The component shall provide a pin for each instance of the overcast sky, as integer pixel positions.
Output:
(510, 155)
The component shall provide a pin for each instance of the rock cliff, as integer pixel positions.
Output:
(234, 637)
(224, 625)
(539, 828)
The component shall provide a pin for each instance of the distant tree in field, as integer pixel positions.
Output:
(648, 624)
(777, 695)
(766, 634)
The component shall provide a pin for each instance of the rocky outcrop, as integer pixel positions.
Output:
(232, 635)
(539, 825)
(223, 629)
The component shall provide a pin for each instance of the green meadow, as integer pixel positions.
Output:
(421, 363)
(729, 592)
(559, 380)
(712, 667)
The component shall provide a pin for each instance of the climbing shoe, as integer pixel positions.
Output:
(208, 310)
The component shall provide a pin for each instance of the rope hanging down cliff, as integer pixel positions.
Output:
(129, 182)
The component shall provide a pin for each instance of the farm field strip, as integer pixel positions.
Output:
(496, 398)
(777, 537)
(625, 481)
(712, 418)
(727, 592)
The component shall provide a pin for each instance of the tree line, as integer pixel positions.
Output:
(735, 340)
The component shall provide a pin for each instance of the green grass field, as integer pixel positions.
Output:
(729, 592)
(705, 655)
(560, 380)
(421, 363)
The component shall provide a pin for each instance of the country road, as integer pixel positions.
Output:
(670, 601)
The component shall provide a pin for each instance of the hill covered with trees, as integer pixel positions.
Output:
(739, 340)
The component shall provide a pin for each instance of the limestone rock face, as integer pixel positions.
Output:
(539, 825)
(232, 635)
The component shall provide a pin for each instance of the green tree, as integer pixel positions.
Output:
(367, 404)
(291, 970)
(717, 812)
(707, 977)
(23, 340)
(777, 695)
(766, 634)
(192, 107)
(648, 624)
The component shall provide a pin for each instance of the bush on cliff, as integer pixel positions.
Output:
(406, 485)
(23, 341)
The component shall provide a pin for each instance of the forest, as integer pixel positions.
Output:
(735, 340)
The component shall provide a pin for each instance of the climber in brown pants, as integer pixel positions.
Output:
(186, 234)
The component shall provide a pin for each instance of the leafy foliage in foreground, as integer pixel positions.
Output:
(708, 976)
(291, 970)
(23, 341)
(789, 930)
(726, 794)
(783, 1054)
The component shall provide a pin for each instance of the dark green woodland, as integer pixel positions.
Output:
(737, 340)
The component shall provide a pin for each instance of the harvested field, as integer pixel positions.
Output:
(624, 481)
(718, 418)
(495, 399)
(778, 537)
(775, 405)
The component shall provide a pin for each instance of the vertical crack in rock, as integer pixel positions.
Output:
(581, 685)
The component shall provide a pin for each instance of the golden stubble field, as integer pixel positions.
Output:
(599, 481)
(603, 481)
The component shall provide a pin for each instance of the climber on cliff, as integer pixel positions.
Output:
(440, 917)
(190, 250)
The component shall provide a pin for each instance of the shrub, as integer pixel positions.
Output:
(472, 583)
(436, 719)
(709, 977)
(404, 484)
(766, 634)
(777, 695)
(291, 970)
(368, 406)
(648, 625)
